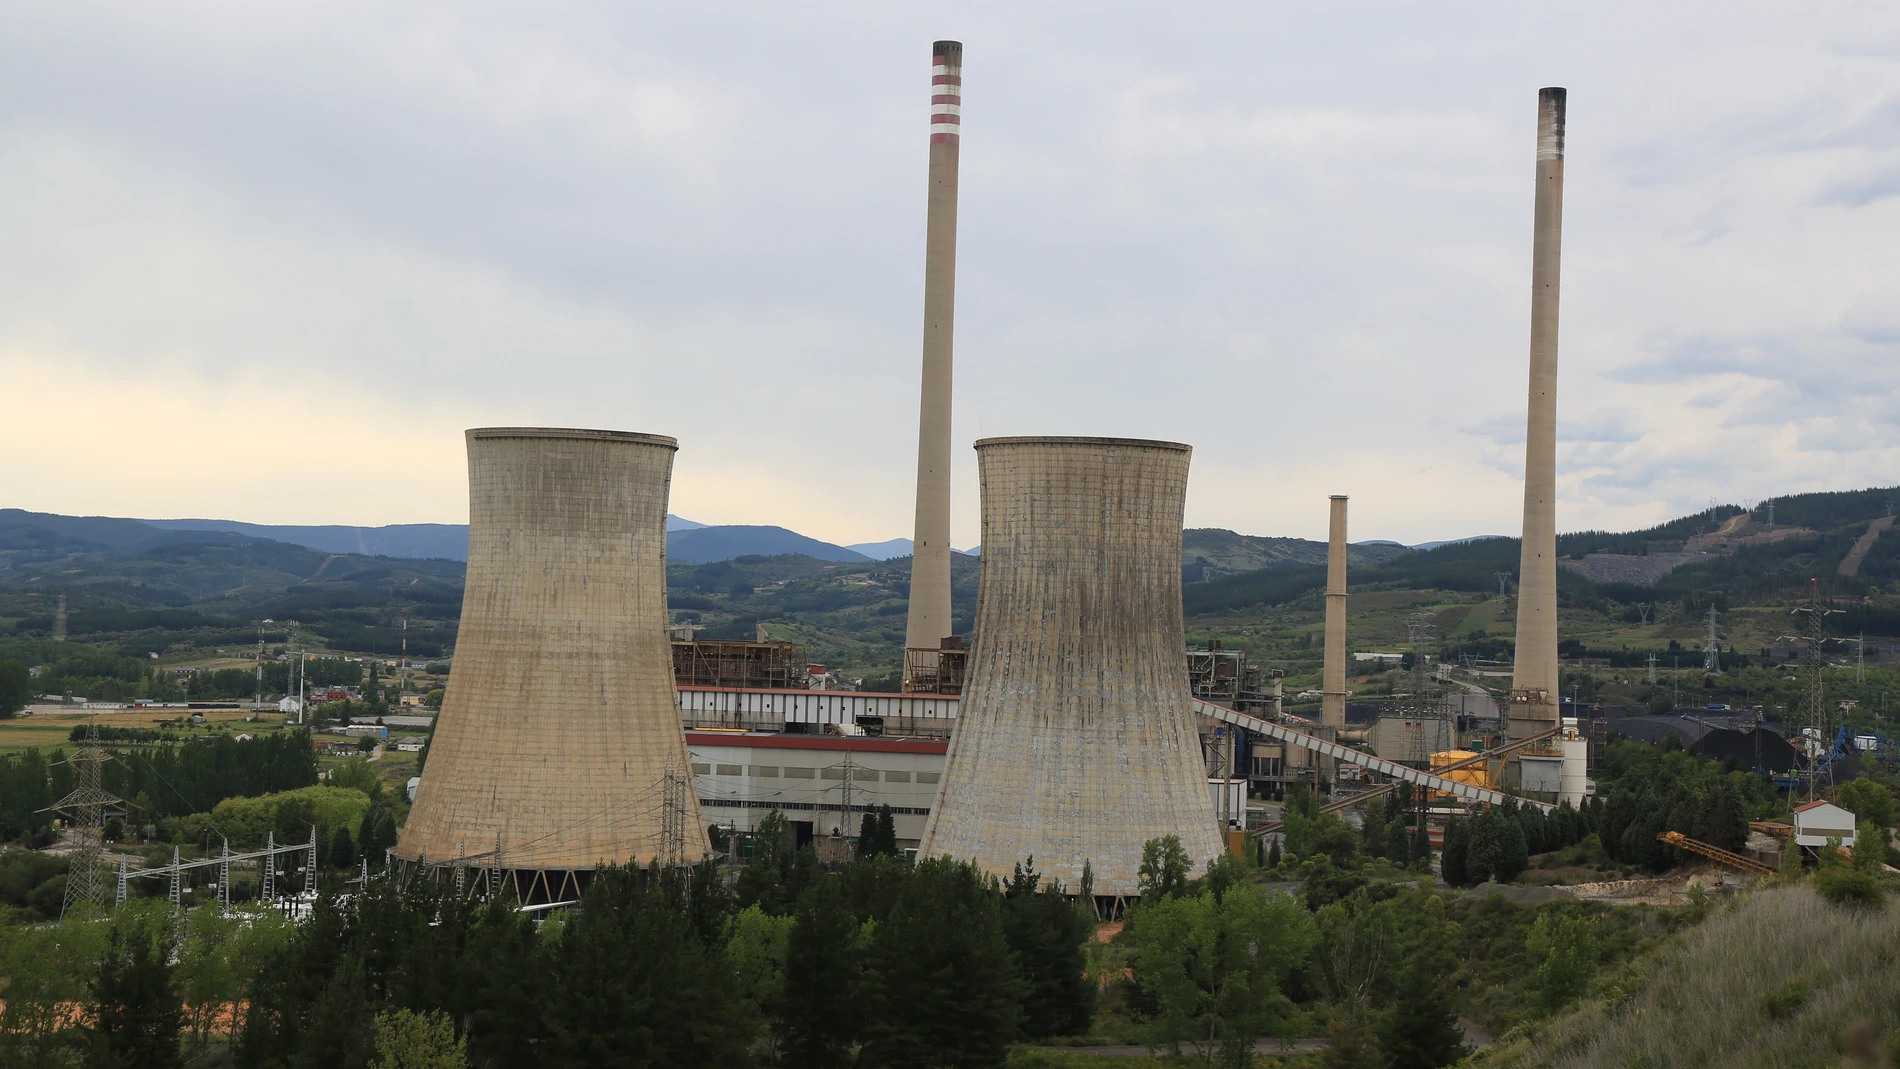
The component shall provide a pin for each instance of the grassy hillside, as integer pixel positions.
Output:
(1779, 980)
(1209, 553)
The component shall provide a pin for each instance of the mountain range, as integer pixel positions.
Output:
(687, 541)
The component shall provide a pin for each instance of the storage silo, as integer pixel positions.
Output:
(1076, 740)
(559, 745)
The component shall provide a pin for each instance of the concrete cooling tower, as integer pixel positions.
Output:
(559, 745)
(1076, 740)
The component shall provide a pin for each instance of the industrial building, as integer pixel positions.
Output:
(576, 732)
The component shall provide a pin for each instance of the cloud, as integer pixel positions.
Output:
(1296, 239)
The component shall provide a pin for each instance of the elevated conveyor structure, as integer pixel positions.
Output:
(1386, 788)
(1280, 732)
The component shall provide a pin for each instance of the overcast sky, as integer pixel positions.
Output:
(267, 261)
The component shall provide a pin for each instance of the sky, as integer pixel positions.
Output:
(266, 262)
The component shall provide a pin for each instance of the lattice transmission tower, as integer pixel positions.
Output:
(673, 818)
(88, 878)
(1813, 638)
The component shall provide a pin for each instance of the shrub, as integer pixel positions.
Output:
(1847, 887)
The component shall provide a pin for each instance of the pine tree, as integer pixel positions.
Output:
(944, 991)
(1421, 1032)
(820, 1017)
(1397, 843)
(1483, 847)
(1513, 850)
(1047, 937)
(1273, 855)
(342, 851)
(1452, 858)
(887, 830)
(138, 1013)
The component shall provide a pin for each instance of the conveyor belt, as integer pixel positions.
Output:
(1468, 792)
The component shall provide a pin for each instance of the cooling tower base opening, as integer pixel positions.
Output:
(521, 887)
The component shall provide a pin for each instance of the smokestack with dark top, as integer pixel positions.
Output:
(1533, 704)
(1333, 672)
(929, 622)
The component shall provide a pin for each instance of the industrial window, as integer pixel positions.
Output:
(701, 769)
(731, 770)
(897, 777)
(867, 775)
(797, 773)
(928, 777)
(834, 773)
(764, 771)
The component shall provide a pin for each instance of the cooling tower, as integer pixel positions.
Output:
(1076, 741)
(929, 620)
(1333, 668)
(560, 736)
(1533, 699)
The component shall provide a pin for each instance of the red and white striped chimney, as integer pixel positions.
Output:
(929, 623)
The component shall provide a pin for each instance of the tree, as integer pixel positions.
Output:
(406, 1039)
(1048, 937)
(1165, 867)
(1349, 1045)
(1484, 846)
(342, 851)
(1421, 1032)
(877, 833)
(1513, 848)
(1273, 854)
(1863, 797)
(943, 988)
(138, 1015)
(633, 982)
(1397, 842)
(1213, 967)
(16, 687)
(819, 1016)
(757, 944)
(1622, 810)
(1870, 847)
(1727, 823)
(1567, 949)
(1451, 861)
(377, 831)
(1372, 832)
(207, 972)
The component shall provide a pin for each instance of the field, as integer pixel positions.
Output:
(48, 730)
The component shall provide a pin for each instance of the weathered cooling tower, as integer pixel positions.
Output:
(1533, 700)
(559, 739)
(1076, 741)
(929, 620)
(1333, 668)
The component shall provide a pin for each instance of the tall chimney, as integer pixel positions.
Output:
(1333, 674)
(1534, 682)
(929, 620)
